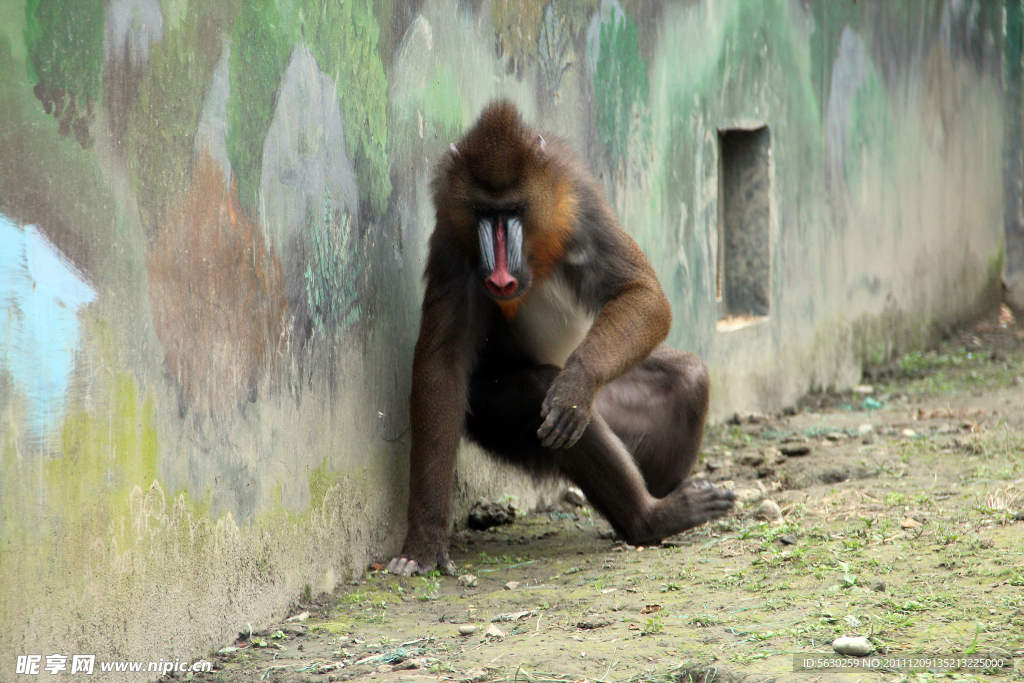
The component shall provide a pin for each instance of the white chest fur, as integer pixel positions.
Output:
(552, 322)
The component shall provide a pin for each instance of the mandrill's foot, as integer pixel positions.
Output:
(707, 501)
(692, 503)
(407, 566)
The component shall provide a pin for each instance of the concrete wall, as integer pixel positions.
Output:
(213, 218)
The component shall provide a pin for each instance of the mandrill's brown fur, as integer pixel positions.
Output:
(540, 340)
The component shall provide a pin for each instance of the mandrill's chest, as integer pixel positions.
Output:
(551, 322)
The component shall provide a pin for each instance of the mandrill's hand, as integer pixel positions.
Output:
(566, 409)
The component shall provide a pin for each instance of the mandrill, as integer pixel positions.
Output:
(540, 340)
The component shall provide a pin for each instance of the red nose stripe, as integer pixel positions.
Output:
(500, 282)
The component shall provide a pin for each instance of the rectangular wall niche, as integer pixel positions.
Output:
(744, 237)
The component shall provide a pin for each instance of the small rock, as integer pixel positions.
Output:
(835, 436)
(414, 663)
(574, 496)
(467, 629)
(867, 439)
(227, 650)
(769, 509)
(384, 669)
(475, 676)
(858, 646)
(910, 523)
(909, 433)
(294, 629)
(878, 586)
(986, 544)
(751, 459)
(468, 580)
(863, 389)
(788, 539)
(749, 495)
(512, 616)
(300, 617)
(511, 585)
(796, 449)
(772, 455)
(852, 621)
(485, 515)
(493, 632)
(594, 623)
(865, 428)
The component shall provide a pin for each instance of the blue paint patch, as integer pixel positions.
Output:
(41, 292)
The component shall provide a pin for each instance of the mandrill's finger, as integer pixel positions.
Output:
(581, 426)
(551, 430)
(402, 566)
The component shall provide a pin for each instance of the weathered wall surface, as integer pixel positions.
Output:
(213, 217)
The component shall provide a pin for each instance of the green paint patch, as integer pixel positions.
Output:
(161, 123)
(262, 40)
(621, 89)
(343, 38)
(65, 48)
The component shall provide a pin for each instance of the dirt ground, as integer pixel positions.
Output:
(896, 514)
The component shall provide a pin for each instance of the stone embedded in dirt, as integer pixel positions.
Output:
(835, 436)
(594, 623)
(878, 586)
(865, 428)
(415, 663)
(751, 459)
(751, 495)
(294, 629)
(787, 539)
(910, 523)
(485, 515)
(909, 433)
(795, 449)
(863, 389)
(769, 510)
(300, 617)
(468, 580)
(858, 646)
(772, 455)
(493, 632)
(467, 629)
(475, 676)
(513, 616)
(511, 585)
